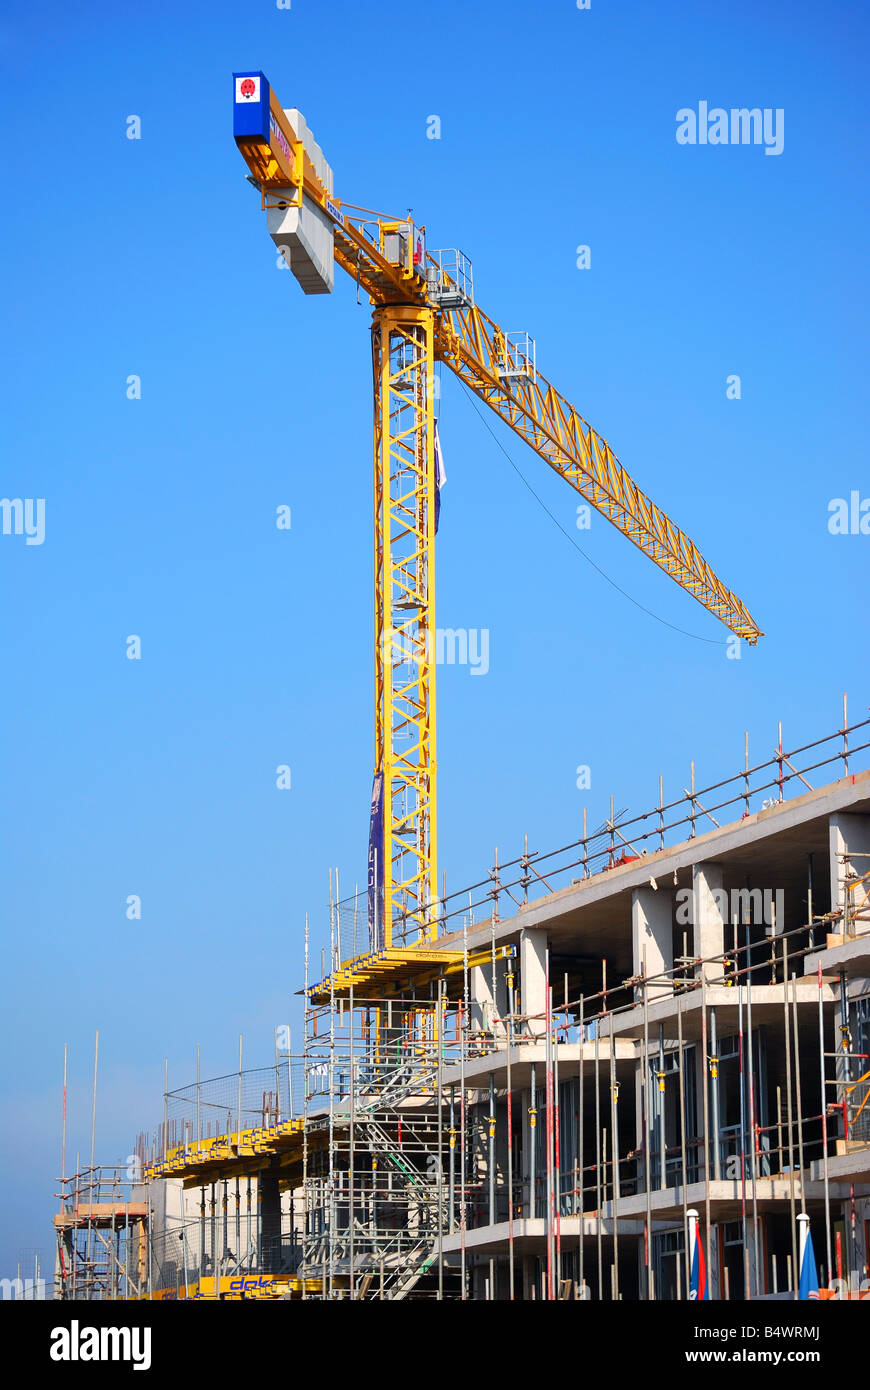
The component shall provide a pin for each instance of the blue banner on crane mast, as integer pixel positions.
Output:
(440, 477)
(376, 865)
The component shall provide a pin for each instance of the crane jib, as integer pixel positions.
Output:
(425, 310)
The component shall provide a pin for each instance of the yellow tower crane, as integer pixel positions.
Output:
(424, 311)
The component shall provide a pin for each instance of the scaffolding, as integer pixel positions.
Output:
(375, 1186)
(452, 1130)
(102, 1234)
(417, 1153)
(390, 1208)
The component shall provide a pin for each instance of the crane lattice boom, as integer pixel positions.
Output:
(424, 311)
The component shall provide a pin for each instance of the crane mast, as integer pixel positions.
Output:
(424, 311)
(405, 649)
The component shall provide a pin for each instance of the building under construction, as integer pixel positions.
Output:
(654, 1038)
(635, 1067)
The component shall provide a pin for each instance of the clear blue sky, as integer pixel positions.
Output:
(151, 257)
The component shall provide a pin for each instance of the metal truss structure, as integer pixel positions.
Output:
(424, 311)
(376, 1187)
(402, 362)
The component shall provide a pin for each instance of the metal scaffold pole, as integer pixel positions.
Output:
(492, 1114)
(557, 1162)
(463, 1026)
(440, 1105)
(351, 1169)
(580, 1179)
(706, 1108)
(510, 1139)
(614, 1147)
(490, 1161)
(331, 1213)
(451, 1176)
(645, 1131)
(788, 1096)
(306, 1196)
(760, 1278)
(533, 1136)
(598, 1189)
(93, 1142)
(798, 1097)
(548, 1135)
(824, 1100)
(747, 1291)
(683, 1165)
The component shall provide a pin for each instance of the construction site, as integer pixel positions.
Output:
(633, 1067)
(664, 1025)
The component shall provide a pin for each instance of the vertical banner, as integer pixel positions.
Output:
(809, 1285)
(698, 1286)
(376, 865)
(440, 477)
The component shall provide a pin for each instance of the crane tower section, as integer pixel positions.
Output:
(405, 890)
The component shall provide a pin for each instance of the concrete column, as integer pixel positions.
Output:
(533, 947)
(478, 1156)
(848, 833)
(756, 1272)
(700, 1079)
(709, 916)
(716, 1282)
(521, 1123)
(860, 1253)
(652, 931)
(488, 1005)
(639, 1082)
(642, 1282)
(270, 1214)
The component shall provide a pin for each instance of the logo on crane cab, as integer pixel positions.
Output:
(247, 89)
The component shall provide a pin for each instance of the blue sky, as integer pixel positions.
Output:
(157, 777)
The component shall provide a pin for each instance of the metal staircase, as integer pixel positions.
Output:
(376, 1197)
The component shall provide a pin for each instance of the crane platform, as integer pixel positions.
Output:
(379, 973)
(230, 1155)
